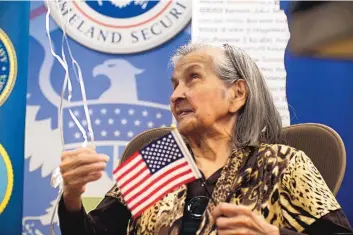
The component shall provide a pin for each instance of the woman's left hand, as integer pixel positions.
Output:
(239, 220)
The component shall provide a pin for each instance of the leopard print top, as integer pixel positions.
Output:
(277, 182)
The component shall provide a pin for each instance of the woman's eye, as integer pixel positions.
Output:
(195, 75)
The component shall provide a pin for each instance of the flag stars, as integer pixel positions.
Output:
(103, 111)
(71, 124)
(97, 121)
(137, 123)
(77, 135)
(123, 121)
(158, 115)
(3, 68)
(144, 113)
(116, 133)
(28, 95)
(130, 134)
(131, 112)
(110, 121)
(84, 122)
(103, 133)
(150, 124)
(77, 113)
(90, 111)
(117, 111)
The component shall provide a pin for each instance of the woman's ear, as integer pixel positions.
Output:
(238, 95)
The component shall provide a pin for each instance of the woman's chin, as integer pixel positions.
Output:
(186, 127)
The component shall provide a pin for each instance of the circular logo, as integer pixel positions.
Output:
(6, 178)
(121, 26)
(8, 67)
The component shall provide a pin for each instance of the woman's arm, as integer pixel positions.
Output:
(110, 217)
(307, 203)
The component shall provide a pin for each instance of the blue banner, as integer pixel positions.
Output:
(123, 49)
(14, 22)
(320, 91)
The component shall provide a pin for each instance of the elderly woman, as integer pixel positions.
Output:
(226, 114)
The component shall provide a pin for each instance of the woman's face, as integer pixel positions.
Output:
(200, 98)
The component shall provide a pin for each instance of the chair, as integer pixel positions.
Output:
(321, 143)
(324, 147)
(143, 139)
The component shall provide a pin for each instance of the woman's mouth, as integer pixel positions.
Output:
(183, 112)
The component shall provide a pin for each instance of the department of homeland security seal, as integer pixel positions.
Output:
(6, 178)
(8, 67)
(121, 26)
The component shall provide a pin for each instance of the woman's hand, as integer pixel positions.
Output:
(239, 220)
(79, 167)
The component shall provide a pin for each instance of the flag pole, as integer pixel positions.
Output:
(190, 160)
(186, 152)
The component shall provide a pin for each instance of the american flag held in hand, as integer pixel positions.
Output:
(154, 171)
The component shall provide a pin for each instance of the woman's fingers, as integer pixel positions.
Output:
(71, 162)
(82, 181)
(234, 222)
(228, 210)
(235, 219)
(81, 166)
(238, 231)
(74, 152)
(83, 171)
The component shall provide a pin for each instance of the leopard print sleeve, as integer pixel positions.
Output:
(304, 195)
(116, 193)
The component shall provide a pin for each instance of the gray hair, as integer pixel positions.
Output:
(258, 120)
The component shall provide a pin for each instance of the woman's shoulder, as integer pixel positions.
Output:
(279, 150)
(289, 158)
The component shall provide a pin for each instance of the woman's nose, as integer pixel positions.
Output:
(178, 93)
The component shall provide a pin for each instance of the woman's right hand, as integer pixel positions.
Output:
(79, 167)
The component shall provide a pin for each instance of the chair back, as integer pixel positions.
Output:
(321, 143)
(323, 146)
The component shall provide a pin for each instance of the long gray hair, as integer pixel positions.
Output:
(258, 121)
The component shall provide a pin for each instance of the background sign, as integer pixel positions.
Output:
(13, 80)
(126, 94)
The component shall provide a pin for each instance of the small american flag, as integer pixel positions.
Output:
(154, 171)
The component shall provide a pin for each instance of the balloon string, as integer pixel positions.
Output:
(78, 74)
(67, 84)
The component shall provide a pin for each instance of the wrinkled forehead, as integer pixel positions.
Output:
(202, 59)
